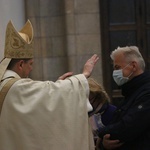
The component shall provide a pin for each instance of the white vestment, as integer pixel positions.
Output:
(46, 115)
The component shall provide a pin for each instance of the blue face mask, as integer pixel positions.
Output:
(119, 78)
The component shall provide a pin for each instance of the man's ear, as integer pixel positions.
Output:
(20, 64)
(134, 63)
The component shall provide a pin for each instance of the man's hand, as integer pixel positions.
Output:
(87, 70)
(110, 144)
(66, 75)
(89, 65)
(98, 141)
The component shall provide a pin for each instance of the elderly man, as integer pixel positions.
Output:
(129, 129)
(41, 115)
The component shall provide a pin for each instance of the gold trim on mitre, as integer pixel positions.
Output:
(19, 44)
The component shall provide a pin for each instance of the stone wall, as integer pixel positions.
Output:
(67, 33)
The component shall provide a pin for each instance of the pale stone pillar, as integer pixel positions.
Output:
(82, 22)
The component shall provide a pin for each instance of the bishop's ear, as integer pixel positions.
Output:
(20, 64)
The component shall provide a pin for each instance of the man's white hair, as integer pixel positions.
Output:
(131, 53)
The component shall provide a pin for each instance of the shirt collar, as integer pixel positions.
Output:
(10, 73)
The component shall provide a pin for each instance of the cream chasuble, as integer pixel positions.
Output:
(46, 115)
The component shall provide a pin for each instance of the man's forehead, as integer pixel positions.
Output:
(118, 62)
(118, 58)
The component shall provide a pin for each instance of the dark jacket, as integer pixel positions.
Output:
(131, 121)
(106, 112)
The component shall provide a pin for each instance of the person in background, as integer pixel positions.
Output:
(129, 128)
(103, 110)
(41, 115)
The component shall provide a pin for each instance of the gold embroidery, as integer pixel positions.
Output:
(15, 45)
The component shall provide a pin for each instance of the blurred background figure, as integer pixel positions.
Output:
(102, 112)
